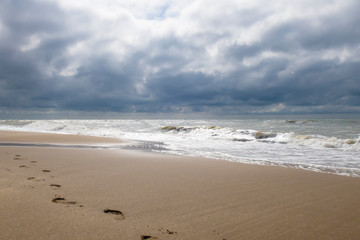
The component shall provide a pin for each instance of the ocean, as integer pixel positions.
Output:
(322, 145)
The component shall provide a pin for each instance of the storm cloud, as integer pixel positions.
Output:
(228, 57)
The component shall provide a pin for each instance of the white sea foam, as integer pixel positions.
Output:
(317, 145)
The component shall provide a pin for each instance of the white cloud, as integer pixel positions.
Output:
(208, 29)
(32, 42)
(69, 71)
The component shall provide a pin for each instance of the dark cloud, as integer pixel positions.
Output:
(64, 59)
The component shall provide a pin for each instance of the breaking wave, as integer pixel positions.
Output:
(237, 135)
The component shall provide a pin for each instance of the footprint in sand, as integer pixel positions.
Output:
(35, 179)
(63, 201)
(46, 171)
(58, 199)
(143, 237)
(167, 231)
(119, 215)
(55, 186)
(23, 166)
(18, 157)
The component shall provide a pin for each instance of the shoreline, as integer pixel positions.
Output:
(64, 140)
(75, 193)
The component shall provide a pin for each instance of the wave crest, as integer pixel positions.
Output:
(264, 135)
(185, 129)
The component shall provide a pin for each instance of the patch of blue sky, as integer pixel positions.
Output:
(159, 13)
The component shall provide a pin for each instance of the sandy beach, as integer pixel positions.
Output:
(81, 193)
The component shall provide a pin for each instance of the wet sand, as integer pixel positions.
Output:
(74, 193)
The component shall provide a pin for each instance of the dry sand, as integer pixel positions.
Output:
(65, 193)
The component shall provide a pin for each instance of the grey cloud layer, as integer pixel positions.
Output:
(224, 58)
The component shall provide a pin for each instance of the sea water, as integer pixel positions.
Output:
(324, 145)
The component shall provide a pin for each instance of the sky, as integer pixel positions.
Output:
(230, 57)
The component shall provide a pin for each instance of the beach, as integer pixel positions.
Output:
(68, 192)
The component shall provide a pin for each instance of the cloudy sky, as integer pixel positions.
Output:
(179, 57)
